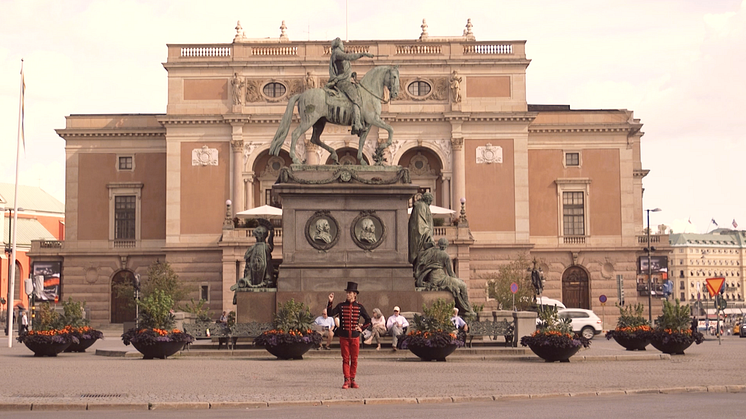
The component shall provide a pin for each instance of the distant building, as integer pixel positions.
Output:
(40, 217)
(560, 185)
(696, 257)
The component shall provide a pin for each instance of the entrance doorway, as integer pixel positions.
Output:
(575, 292)
(122, 297)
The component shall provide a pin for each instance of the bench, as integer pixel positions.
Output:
(493, 329)
(224, 335)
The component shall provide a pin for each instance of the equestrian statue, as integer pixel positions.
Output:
(343, 101)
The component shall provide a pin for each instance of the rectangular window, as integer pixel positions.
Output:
(681, 283)
(573, 213)
(572, 159)
(682, 297)
(125, 163)
(124, 217)
(204, 293)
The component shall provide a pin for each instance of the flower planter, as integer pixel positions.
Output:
(550, 353)
(670, 346)
(160, 350)
(427, 353)
(632, 342)
(293, 350)
(46, 349)
(82, 345)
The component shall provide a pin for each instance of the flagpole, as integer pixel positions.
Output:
(12, 261)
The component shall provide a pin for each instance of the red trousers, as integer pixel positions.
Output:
(350, 350)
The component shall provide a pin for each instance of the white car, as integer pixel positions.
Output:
(549, 302)
(585, 322)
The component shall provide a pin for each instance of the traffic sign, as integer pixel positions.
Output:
(514, 288)
(602, 298)
(714, 285)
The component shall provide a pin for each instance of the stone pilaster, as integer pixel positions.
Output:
(236, 166)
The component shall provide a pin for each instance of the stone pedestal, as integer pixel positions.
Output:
(346, 223)
(256, 305)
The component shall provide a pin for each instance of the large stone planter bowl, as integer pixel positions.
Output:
(46, 349)
(82, 346)
(670, 347)
(160, 350)
(289, 350)
(552, 353)
(632, 343)
(427, 353)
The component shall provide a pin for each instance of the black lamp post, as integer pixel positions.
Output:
(650, 269)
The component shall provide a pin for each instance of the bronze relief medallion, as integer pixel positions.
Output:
(322, 230)
(367, 230)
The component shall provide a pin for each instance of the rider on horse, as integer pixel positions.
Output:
(340, 75)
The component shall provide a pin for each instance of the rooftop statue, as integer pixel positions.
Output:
(343, 101)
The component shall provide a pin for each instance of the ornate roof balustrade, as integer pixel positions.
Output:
(400, 50)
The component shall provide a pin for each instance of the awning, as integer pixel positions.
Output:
(265, 211)
(436, 210)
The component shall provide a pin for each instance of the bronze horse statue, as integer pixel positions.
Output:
(316, 108)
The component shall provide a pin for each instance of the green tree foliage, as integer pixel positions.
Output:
(498, 285)
(45, 318)
(161, 277)
(73, 314)
(198, 309)
(155, 311)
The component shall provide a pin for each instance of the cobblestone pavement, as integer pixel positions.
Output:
(90, 381)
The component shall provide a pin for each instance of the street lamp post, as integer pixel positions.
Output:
(650, 269)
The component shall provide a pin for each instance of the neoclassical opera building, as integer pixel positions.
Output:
(558, 185)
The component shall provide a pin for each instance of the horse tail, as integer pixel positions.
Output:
(282, 130)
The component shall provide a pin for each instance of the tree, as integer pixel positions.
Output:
(498, 284)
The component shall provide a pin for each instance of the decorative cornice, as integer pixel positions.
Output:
(640, 173)
(68, 133)
(577, 129)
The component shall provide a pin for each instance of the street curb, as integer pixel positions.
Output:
(68, 406)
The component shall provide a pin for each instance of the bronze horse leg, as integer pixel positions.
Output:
(318, 128)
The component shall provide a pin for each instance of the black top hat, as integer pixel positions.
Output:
(352, 286)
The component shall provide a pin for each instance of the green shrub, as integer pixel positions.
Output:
(293, 315)
(156, 311)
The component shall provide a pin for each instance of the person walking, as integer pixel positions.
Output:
(349, 312)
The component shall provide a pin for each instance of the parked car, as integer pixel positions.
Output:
(548, 302)
(742, 332)
(584, 322)
(737, 328)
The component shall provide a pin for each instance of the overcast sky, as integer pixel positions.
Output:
(678, 64)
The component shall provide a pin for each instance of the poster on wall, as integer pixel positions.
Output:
(658, 264)
(47, 283)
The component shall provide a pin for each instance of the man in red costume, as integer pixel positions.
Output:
(349, 329)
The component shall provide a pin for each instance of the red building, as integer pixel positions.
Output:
(40, 217)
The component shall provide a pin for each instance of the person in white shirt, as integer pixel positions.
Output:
(458, 322)
(395, 326)
(326, 324)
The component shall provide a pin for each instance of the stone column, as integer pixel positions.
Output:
(446, 188)
(459, 171)
(312, 157)
(249, 190)
(236, 168)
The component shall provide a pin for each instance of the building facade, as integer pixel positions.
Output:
(558, 185)
(696, 257)
(41, 217)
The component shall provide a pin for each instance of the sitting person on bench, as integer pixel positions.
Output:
(395, 326)
(461, 327)
(325, 325)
